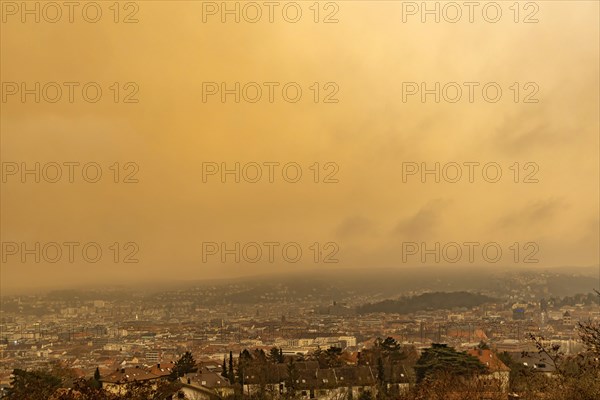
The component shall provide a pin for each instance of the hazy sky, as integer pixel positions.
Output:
(370, 214)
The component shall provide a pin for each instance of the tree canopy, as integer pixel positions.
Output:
(184, 365)
(445, 359)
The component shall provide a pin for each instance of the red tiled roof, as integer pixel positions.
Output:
(489, 359)
(162, 369)
(129, 375)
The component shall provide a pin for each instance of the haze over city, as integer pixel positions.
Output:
(213, 177)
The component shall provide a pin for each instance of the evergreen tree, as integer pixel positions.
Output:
(293, 376)
(274, 355)
(244, 361)
(380, 371)
(245, 355)
(260, 356)
(224, 368)
(231, 371)
(184, 365)
(390, 345)
(381, 383)
(318, 355)
(95, 381)
(35, 385)
(441, 358)
(333, 357)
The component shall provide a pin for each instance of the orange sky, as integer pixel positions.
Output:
(368, 133)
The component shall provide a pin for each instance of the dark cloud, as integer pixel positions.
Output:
(538, 213)
(354, 227)
(423, 223)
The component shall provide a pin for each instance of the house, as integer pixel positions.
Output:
(208, 379)
(397, 378)
(496, 380)
(538, 362)
(567, 320)
(311, 382)
(162, 370)
(195, 392)
(117, 381)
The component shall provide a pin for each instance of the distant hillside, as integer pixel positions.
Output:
(426, 301)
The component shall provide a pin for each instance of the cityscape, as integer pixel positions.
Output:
(299, 199)
(340, 335)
